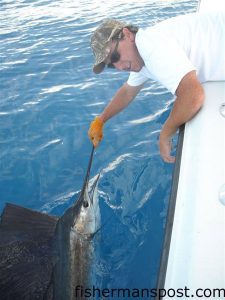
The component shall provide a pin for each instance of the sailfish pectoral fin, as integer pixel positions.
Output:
(100, 228)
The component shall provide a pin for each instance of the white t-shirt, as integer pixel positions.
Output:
(174, 47)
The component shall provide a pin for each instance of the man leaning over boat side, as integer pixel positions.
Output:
(180, 53)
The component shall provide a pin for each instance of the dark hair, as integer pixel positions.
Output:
(132, 28)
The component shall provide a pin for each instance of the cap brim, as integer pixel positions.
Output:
(97, 69)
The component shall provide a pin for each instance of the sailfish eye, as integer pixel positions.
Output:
(85, 204)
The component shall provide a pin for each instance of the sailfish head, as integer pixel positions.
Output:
(87, 221)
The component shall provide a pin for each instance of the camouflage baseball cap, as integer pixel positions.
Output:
(101, 40)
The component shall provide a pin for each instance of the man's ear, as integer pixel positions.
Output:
(128, 34)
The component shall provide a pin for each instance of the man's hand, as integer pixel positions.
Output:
(95, 132)
(165, 147)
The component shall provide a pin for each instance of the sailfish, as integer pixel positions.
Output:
(47, 257)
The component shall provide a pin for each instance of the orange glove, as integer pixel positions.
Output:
(95, 131)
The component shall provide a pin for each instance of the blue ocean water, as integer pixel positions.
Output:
(48, 97)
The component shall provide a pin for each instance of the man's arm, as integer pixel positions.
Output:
(121, 99)
(190, 98)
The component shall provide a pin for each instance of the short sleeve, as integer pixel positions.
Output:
(136, 78)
